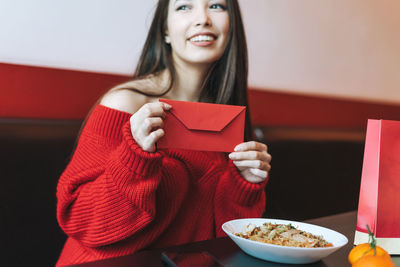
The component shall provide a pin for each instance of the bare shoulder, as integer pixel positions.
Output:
(124, 97)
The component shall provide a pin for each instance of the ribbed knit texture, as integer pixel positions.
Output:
(115, 199)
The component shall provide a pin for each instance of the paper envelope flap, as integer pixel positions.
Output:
(204, 116)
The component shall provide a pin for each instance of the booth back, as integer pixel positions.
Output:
(308, 179)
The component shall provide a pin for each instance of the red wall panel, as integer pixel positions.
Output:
(36, 92)
(46, 93)
(283, 109)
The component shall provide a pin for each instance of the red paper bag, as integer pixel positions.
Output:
(379, 203)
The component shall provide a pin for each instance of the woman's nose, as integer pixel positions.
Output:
(203, 18)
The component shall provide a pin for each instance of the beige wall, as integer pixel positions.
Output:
(344, 48)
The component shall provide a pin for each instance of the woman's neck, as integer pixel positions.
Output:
(188, 82)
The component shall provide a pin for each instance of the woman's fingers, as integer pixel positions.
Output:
(250, 155)
(152, 123)
(156, 109)
(157, 134)
(147, 123)
(258, 164)
(252, 145)
(259, 173)
(151, 139)
(251, 151)
(253, 160)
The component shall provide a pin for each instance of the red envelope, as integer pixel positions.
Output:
(202, 126)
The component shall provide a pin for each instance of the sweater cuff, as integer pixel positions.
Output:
(135, 158)
(243, 191)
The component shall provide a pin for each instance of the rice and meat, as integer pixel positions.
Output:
(284, 235)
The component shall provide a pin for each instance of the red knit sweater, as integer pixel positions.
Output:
(115, 199)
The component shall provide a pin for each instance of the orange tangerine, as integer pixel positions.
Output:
(372, 253)
(374, 261)
(363, 250)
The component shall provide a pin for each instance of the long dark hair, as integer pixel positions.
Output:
(226, 81)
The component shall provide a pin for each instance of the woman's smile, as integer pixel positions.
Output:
(203, 39)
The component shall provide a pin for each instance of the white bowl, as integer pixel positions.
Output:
(282, 254)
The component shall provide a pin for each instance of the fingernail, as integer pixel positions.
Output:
(238, 147)
(168, 106)
(231, 156)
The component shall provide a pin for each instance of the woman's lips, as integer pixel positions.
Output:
(202, 39)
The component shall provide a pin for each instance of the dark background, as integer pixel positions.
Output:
(310, 178)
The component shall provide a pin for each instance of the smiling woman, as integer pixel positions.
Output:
(298, 48)
(203, 44)
(120, 193)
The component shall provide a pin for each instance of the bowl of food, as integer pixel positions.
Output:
(284, 241)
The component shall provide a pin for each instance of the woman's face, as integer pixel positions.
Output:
(197, 30)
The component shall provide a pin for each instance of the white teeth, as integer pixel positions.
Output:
(202, 38)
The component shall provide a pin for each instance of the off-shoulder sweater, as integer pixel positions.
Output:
(115, 198)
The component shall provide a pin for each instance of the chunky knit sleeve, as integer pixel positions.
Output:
(107, 191)
(237, 198)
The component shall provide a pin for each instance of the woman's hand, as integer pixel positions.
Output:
(146, 124)
(252, 160)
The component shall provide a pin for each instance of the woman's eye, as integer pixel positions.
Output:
(218, 6)
(182, 7)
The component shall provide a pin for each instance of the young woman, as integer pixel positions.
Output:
(120, 194)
